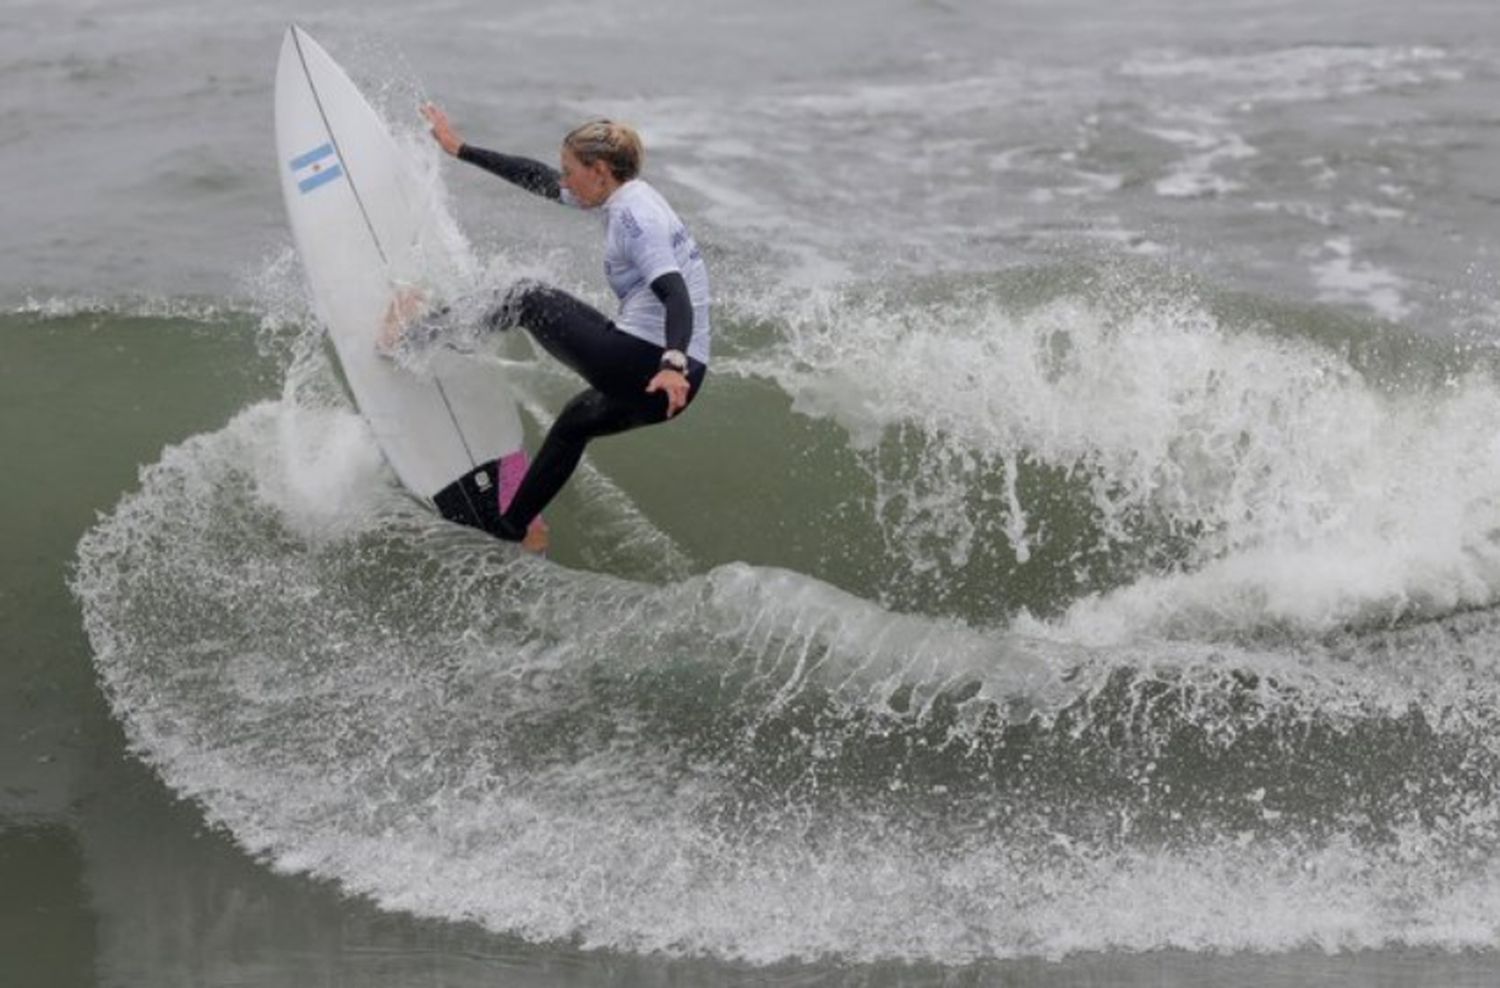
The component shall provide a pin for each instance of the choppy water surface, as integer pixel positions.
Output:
(1087, 549)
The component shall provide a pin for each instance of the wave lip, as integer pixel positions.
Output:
(1200, 466)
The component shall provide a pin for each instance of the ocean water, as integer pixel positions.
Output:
(1082, 567)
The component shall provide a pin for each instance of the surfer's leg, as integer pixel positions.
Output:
(588, 416)
(578, 335)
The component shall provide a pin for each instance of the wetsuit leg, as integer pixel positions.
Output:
(588, 416)
(579, 336)
(617, 366)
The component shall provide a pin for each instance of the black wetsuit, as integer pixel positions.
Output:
(617, 365)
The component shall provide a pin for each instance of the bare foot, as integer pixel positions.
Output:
(538, 537)
(405, 307)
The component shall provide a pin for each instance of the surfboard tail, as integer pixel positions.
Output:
(481, 495)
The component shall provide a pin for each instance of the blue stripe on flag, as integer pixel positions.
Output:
(321, 178)
(303, 160)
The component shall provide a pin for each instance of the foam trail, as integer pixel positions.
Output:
(750, 763)
(1231, 479)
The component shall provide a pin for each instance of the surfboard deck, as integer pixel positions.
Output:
(365, 233)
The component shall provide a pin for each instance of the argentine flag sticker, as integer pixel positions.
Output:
(317, 167)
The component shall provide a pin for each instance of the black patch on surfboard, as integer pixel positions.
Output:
(473, 499)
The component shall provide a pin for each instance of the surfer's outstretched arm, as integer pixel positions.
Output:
(529, 174)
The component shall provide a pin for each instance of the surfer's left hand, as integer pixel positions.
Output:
(675, 385)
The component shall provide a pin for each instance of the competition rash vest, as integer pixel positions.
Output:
(644, 239)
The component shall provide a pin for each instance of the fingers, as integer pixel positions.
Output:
(677, 391)
(442, 128)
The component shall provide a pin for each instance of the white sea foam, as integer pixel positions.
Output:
(1211, 143)
(141, 307)
(1343, 279)
(1312, 212)
(1299, 74)
(455, 730)
(324, 474)
(427, 718)
(1375, 211)
(395, 730)
(1316, 496)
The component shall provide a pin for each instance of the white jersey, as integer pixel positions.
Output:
(644, 240)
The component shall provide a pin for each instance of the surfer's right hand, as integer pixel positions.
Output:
(442, 128)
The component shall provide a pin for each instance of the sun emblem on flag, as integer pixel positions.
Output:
(316, 168)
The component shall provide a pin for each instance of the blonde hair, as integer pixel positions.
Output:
(616, 144)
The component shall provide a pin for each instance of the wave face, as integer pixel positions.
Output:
(1086, 544)
(1104, 613)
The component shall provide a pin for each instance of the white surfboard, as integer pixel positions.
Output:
(452, 434)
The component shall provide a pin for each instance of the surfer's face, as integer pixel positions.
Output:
(590, 184)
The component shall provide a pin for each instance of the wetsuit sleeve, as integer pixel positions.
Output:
(649, 242)
(673, 292)
(529, 174)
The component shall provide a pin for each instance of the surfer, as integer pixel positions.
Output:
(648, 363)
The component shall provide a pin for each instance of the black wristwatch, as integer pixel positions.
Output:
(674, 360)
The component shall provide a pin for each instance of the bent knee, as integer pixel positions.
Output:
(521, 304)
(584, 417)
